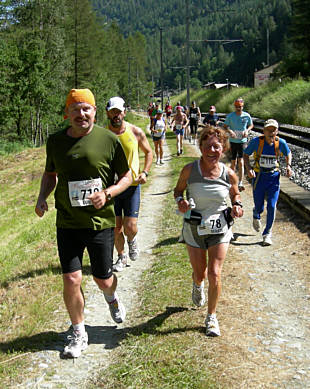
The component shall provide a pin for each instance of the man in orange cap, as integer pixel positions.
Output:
(238, 124)
(81, 163)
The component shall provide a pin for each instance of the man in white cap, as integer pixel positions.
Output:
(127, 205)
(265, 174)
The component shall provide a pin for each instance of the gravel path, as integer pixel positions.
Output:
(264, 311)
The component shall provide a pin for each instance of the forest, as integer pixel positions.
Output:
(251, 33)
(48, 47)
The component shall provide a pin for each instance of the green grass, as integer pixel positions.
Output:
(287, 101)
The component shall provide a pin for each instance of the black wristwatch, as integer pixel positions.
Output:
(108, 196)
(146, 173)
(237, 203)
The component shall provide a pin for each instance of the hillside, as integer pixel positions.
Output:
(247, 20)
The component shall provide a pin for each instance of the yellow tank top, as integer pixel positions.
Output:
(131, 150)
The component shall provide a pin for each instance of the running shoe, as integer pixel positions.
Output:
(121, 263)
(161, 162)
(157, 162)
(181, 151)
(77, 344)
(267, 240)
(198, 294)
(257, 224)
(117, 310)
(212, 325)
(133, 249)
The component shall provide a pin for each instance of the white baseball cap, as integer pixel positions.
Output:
(271, 123)
(116, 102)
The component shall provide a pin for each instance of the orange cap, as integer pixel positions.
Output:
(80, 96)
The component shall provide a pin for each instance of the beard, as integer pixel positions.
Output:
(115, 122)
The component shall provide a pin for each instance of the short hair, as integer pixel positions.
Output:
(221, 135)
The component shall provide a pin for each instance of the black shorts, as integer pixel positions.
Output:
(194, 126)
(99, 244)
(236, 150)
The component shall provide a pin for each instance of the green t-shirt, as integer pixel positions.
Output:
(96, 155)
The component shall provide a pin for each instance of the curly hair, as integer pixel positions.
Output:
(209, 131)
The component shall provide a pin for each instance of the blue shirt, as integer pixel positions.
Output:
(238, 124)
(211, 119)
(268, 158)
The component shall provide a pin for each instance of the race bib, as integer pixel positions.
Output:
(193, 115)
(178, 126)
(239, 134)
(80, 190)
(268, 161)
(214, 224)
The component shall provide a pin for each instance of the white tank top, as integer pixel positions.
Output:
(209, 194)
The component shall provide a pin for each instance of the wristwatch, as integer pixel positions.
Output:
(108, 196)
(146, 173)
(239, 203)
(178, 199)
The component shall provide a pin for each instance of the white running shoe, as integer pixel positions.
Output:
(121, 263)
(77, 344)
(212, 325)
(157, 162)
(117, 310)
(133, 249)
(198, 294)
(257, 224)
(267, 240)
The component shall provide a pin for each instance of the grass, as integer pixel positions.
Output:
(286, 101)
(166, 347)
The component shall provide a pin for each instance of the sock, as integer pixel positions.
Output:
(109, 298)
(80, 327)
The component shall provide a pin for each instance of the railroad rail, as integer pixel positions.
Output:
(295, 135)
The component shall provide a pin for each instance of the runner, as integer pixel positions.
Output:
(158, 132)
(207, 227)
(81, 162)
(211, 117)
(181, 121)
(127, 204)
(238, 124)
(265, 174)
(154, 111)
(150, 110)
(168, 111)
(194, 119)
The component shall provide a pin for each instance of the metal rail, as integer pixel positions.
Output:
(296, 135)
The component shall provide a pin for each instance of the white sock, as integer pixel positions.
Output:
(109, 298)
(80, 327)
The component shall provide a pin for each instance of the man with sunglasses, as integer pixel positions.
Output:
(238, 124)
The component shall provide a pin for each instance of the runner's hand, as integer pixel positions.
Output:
(41, 207)
(98, 199)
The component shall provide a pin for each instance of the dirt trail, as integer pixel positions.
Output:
(264, 311)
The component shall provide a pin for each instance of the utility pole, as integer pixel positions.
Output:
(187, 56)
(129, 86)
(161, 69)
(267, 46)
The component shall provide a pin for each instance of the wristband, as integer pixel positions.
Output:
(237, 203)
(178, 199)
(108, 196)
(146, 173)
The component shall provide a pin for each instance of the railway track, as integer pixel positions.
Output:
(295, 135)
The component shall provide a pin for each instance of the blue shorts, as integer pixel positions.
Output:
(128, 202)
(72, 243)
(179, 132)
